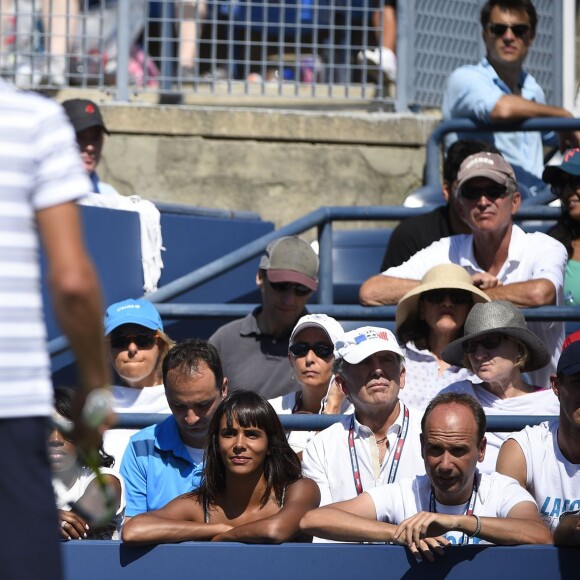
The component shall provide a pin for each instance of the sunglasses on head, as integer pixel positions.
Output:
(284, 287)
(456, 296)
(519, 30)
(141, 340)
(321, 350)
(488, 342)
(492, 192)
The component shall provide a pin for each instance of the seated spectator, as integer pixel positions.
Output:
(498, 347)
(379, 443)
(418, 232)
(504, 261)
(428, 318)
(190, 17)
(498, 89)
(165, 460)
(452, 504)
(384, 20)
(252, 488)
(137, 347)
(74, 482)
(254, 349)
(545, 459)
(59, 21)
(87, 121)
(565, 182)
(311, 356)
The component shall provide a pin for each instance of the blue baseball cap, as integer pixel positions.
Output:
(569, 362)
(571, 165)
(131, 311)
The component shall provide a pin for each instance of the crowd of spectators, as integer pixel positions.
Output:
(410, 461)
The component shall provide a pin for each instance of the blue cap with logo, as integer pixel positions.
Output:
(131, 311)
(571, 166)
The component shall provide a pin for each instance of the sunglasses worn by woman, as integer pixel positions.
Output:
(499, 348)
(427, 319)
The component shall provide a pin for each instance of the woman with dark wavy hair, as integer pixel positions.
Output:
(252, 488)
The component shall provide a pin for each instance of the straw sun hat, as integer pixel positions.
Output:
(498, 317)
(444, 276)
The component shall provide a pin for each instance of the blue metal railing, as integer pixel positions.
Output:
(321, 218)
(300, 422)
(433, 153)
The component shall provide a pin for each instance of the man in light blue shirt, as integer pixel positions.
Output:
(165, 460)
(499, 90)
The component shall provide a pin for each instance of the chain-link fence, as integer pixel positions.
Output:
(314, 50)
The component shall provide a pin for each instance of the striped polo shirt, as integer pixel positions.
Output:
(40, 167)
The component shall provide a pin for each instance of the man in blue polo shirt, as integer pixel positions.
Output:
(165, 460)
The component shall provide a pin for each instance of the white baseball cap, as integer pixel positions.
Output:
(356, 345)
(328, 324)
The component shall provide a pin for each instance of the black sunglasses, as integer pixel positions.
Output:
(456, 296)
(492, 192)
(284, 287)
(572, 181)
(488, 342)
(321, 350)
(519, 30)
(141, 340)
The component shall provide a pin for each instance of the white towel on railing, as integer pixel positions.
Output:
(150, 222)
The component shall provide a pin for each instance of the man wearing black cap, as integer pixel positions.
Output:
(545, 459)
(85, 117)
(254, 349)
(503, 260)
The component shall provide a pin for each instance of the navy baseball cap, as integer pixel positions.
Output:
(571, 165)
(130, 311)
(569, 363)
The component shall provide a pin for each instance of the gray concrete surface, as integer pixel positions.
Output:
(280, 164)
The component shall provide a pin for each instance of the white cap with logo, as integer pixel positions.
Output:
(356, 345)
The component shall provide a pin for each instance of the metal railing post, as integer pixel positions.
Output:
(325, 286)
(123, 50)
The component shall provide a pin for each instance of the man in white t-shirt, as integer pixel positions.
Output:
(545, 459)
(379, 443)
(503, 260)
(452, 504)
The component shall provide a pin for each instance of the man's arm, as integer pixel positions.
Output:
(521, 526)
(77, 304)
(302, 496)
(540, 292)
(567, 533)
(511, 462)
(379, 290)
(516, 108)
(354, 520)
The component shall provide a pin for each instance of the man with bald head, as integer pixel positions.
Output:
(452, 504)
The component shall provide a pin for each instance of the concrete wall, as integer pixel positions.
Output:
(280, 164)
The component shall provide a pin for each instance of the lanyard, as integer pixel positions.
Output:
(298, 402)
(468, 511)
(396, 459)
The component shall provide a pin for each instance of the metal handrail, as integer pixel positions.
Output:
(322, 218)
(303, 422)
(433, 153)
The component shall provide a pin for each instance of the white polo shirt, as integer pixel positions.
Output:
(550, 477)
(530, 257)
(496, 495)
(327, 459)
